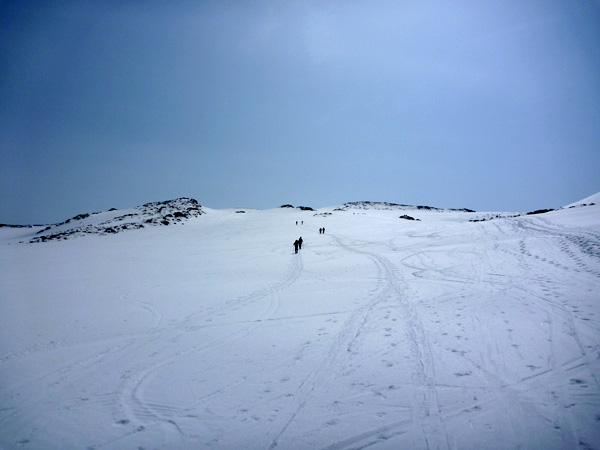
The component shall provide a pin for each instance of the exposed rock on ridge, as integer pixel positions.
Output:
(114, 221)
(392, 206)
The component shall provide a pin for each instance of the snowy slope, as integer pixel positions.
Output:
(588, 200)
(382, 333)
(116, 221)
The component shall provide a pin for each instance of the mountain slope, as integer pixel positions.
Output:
(382, 333)
(115, 221)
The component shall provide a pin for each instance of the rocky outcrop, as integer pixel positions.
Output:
(111, 222)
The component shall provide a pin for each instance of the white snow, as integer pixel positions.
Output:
(588, 200)
(383, 333)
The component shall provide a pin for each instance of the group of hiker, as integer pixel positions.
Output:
(298, 242)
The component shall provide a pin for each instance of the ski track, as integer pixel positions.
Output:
(552, 303)
(127, 400)
(145, 413)
(502, 392)
(340, 346)
(457, 272)
(343, 350)
(425, 400)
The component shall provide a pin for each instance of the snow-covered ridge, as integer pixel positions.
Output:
(115, 221)
(392, 206)
(588, 201)
(380, 333)
(180, 209)
(506, 215)
(170, 212)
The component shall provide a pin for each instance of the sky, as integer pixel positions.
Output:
(487, 105)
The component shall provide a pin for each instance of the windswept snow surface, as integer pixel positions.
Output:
(382, 333)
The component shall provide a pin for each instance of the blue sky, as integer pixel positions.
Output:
(489, 105)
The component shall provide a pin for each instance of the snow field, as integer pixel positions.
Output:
(381, 333)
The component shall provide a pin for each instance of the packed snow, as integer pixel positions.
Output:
(381, 333)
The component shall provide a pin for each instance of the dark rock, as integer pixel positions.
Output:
(156, 214)
(540, 211)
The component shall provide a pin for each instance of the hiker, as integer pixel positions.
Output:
(296, 244)
(300, 242)
(323, 230)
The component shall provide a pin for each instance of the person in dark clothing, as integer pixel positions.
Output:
(323, 230)
(296, 244)
(300, 242)
(320, 230)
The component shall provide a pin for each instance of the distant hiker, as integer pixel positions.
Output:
(323, 230)
(320, 230)
(303, 222)
(296, 222)
(296, 244)
(300, 242)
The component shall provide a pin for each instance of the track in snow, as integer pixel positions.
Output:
(456, 336)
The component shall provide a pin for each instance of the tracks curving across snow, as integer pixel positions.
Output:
(425, 403)
(438, 334)
(141, 393)
(407, 381)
